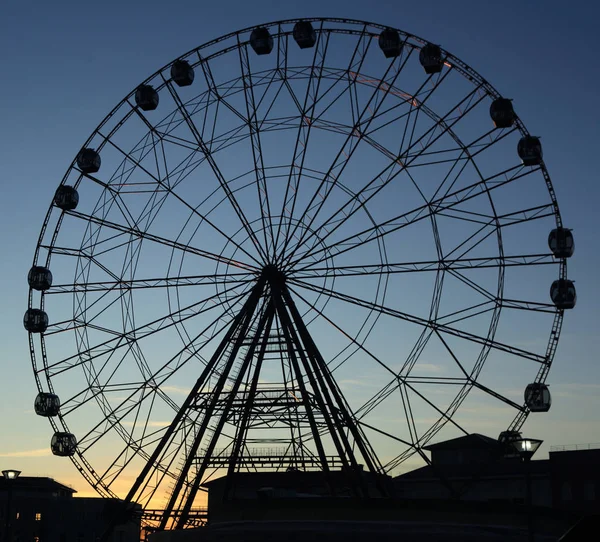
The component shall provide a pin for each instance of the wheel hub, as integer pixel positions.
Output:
(273, 275)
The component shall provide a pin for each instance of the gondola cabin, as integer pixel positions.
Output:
(66, 197)
(261, 41)
(390, 43)
(146, 98)
(39, 278)
(561, 243)
(46, 404)
(537, 397)
(304, 34)
(431, 59)
(563, 295)
(502, 113)
(182, 73)
(88, 161)
(63, 444)
(35, 321)
(529, 150)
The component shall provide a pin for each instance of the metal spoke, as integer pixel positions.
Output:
(254, 127)
(342, 158)
(216, 171)
(167, 282)
(152, 383)
(421, 322)
(144, 235)
(372, 188)
(450, 264)
(411, 217)
(160, 185)
(391, 170)
(120, 339)
(307, 113)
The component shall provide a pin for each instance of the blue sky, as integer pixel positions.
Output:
(66, 65)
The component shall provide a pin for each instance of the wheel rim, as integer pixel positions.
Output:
(280, 231)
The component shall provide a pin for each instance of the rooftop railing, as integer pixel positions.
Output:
(575, 447)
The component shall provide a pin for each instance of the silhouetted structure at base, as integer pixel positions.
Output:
(346, 531)
(43, 510)
(471, 491)
(475, 468)
(240, 496)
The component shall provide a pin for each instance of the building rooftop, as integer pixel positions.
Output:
(575, 447)
(36, 484)
(501, 468)
(473, 441)
(285, 479)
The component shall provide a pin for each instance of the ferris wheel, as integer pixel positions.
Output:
(313, 245)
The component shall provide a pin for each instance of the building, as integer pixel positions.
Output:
(37, 509)
(575, 478)
(284, 493)
(475, 468)
(471, 491)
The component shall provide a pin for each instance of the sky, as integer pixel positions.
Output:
(66, 65)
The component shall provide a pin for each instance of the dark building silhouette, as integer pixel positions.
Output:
(575, 478)
(44, 510)
(249, 492)
(476, 468)
(472, 490)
